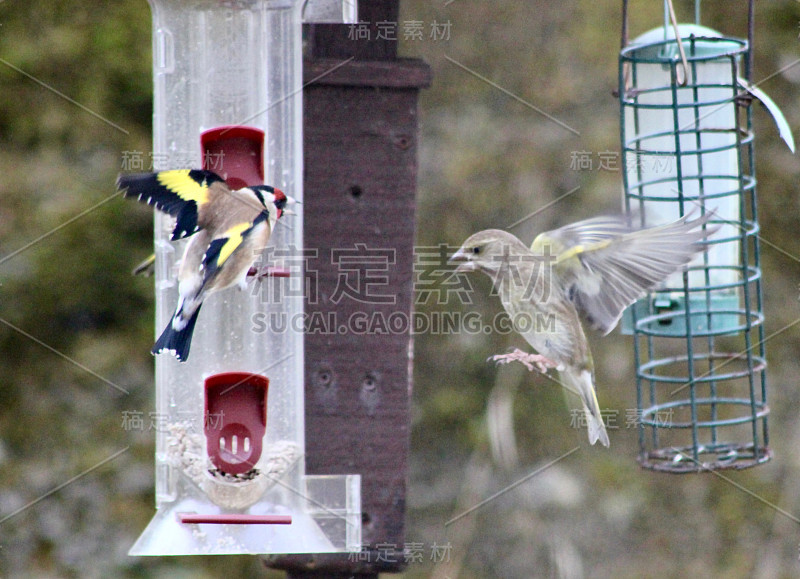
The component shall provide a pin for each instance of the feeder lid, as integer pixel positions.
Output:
(658, 45)
(687, 30)
(330, 12)
(702, 49)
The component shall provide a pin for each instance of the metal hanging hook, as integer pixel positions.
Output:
(684, 63)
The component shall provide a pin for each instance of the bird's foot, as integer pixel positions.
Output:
(542, 363)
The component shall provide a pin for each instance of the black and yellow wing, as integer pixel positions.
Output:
(222, 251)
(182, 193)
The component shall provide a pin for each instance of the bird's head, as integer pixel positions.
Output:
(486, 251)
(276, 197)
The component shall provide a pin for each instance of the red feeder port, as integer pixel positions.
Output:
(235, 153)
(235, 420)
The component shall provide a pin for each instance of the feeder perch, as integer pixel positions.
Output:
(230, 443)
(687, 145)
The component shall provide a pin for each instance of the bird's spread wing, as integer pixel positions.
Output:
(182, 193)
(586, 232)
(223, 247)
(606, 265)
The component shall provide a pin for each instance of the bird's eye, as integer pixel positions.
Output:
(476, 250)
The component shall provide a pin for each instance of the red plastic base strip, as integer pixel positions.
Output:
(195, 518)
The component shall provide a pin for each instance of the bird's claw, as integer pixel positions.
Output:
(541, 363)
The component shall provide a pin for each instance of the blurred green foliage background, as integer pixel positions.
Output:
(76, 328)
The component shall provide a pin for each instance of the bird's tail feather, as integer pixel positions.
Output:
(177, 341)
(581, 383)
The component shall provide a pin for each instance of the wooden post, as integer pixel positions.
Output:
(360, 140)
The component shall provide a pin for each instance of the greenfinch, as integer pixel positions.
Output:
(592, 269)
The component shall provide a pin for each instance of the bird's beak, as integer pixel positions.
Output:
(290, 201)
(463, 261)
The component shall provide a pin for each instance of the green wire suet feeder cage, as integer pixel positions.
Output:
(687, 146)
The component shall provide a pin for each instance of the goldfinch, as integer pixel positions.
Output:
(228, 229)
(594, 268)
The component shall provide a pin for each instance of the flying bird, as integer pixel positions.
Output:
(592, 269)
(229, 230)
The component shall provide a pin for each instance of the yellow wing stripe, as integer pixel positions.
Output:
(180, 183)
(570, 253)
(578, 249)
(235, 237)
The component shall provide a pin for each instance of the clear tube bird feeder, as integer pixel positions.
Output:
(687, 146)
(230, 471)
